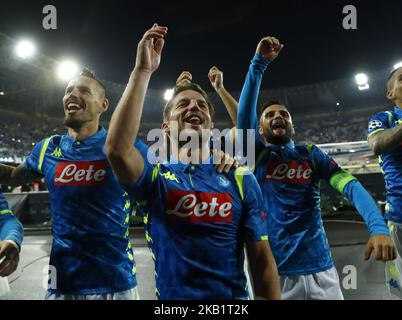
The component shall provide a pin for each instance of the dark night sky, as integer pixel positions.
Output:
(103, 35)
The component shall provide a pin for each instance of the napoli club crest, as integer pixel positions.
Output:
(223, 181)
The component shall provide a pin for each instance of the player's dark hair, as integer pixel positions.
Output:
(90, 74)
(390, 80)
(266, 105)
(188, 86)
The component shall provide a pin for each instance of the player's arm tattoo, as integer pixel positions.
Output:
(386, 141)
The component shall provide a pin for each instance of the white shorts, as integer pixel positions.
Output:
(131, 294)
(4, 286)
(393, 269)
(317, 286)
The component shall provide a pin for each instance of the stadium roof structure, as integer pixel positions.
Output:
(30, 87)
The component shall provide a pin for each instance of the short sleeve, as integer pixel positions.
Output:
(378, 122)
(143, 188)
(253, 215)
(34, 161)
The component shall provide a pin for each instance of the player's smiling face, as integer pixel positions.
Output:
(276, 125)
(191, 111)
(82, 102)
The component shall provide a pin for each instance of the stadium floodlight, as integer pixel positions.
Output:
(67, 69)
(398, 65)
(169, 94)
(1, 93)
(25, 49)
(362, 81)
(338, 104)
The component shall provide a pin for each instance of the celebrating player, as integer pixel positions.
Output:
(91, 256)
(385, 138)
(198, 220)
(289, 177)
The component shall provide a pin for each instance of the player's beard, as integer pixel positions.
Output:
(72, 123)
(76, 123)
(276, 139)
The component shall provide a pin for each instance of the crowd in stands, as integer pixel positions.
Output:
(338, 127)
(18, 135)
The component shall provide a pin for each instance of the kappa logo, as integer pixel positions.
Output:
(374, 124)
(170, 176)
(57, 153)
(80, 173)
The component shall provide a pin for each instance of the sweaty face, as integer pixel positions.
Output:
(190, 111)
(276, 125)
(82, 102)
(395, 92)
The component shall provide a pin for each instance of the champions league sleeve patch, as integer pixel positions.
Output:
(374, 124)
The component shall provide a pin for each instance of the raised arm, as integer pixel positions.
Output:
(216, 78)
(267, 51)
(126, 160)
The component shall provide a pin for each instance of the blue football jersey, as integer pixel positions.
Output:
(391, 163)
(197, 222)
(289, 178)
(91, 250)
(10, 227)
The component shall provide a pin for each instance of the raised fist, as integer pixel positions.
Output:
(184, 78)
(216, 77)
(269, 48)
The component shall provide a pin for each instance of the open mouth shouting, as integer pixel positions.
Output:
(73, 106)
(194, 119)
(278, 127)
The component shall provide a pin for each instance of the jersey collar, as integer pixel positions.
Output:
(90, 140)
(289, 145)
(184, 167)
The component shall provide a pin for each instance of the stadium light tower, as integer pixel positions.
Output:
(168, 94)
(25, 49)
(362, 81)
(398, 65)
(67, 69)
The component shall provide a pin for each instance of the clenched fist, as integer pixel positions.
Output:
(184, 78)
(383, 247)
(216, 78)
(269, 48)
(9, 257)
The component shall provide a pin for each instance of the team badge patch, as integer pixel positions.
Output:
(374, 124)
(223, 181)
